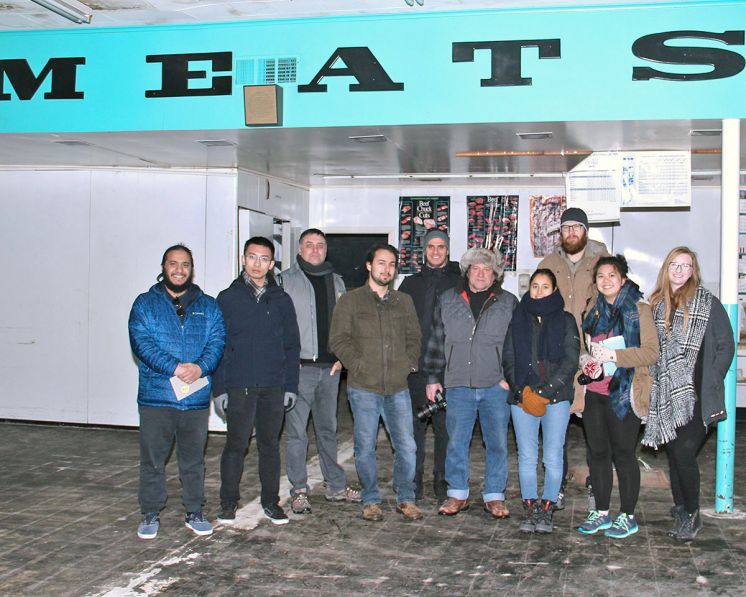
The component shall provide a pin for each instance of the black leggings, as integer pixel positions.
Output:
(611, 440)
(682, 461)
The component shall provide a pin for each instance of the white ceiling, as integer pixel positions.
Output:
(304, 156)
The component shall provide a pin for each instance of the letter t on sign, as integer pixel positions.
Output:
(506, 58)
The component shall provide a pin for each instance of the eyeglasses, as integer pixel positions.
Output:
(573, 227)
(255, 257)
(678, 267)
(179, 307)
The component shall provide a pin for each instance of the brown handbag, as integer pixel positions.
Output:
(533, 403)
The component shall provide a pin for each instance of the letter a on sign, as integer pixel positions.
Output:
(359, 63)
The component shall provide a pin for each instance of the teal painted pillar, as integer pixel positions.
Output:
(726, 430)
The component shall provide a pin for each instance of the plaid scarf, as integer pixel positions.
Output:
(619, 319)
(673, 396)
(257, 290)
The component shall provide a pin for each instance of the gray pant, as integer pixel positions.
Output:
(317, 396)
(158, 429)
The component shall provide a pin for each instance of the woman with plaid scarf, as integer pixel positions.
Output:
(697, 348)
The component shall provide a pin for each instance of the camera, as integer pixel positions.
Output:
(431, 408)
(584, 379)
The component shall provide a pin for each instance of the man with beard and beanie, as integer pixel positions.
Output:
(314, 288)
(470, 322)
(376, 336)
(177, 333)
(437, 274)
(572, 264)
(257, 380)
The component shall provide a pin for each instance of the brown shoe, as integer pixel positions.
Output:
(452, 506)
(372, 512)
(497, 509)
(409, 511)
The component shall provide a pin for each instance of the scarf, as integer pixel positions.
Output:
(321, 269)
(324, 269)
(551, 333)
(257, 291)
(618, 319)
(673, 396)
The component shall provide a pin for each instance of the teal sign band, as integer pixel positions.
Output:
(476, 66)
(726, 431)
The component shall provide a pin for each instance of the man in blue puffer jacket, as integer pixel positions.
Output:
(178, 335)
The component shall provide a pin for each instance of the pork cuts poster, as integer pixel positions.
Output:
(417, 215)
(544, 219)
(492, 223)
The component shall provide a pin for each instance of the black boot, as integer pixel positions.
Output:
(678, 513)
(531, 515)
(544, 523)
(690, 526)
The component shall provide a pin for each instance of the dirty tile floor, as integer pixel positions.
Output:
(68, 515)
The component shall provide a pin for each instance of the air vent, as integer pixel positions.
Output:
(266, 71)
(533, 136)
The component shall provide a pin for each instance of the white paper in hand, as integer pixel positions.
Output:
(183, 389)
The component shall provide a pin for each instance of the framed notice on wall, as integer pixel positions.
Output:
(417, 215)
(492, 223)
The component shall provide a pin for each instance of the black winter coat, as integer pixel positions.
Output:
(425, 287)
(558, 377)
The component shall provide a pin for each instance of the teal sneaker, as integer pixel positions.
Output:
(595, 522)
(623, 526)
(148, 528)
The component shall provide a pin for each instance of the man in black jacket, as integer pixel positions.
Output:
(259, 372)
(437, 274)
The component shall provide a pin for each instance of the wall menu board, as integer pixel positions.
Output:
(544, 221)
(492, 223)
(417, 215)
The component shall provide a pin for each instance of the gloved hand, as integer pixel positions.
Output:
(603, 353)
(590, 366)
(221, 405)
(290, 400)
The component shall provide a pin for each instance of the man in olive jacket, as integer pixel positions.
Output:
(376, 335)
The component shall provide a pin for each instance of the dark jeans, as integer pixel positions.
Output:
(158, 429)
(682, 460)
(611, 440)
(417, 383)
(262, 408)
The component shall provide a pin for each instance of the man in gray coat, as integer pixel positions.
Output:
(314, 288)
(465, 348)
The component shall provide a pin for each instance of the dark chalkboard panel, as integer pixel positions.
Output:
(347, 252)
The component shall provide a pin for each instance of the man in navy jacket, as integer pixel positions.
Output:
(259, 373)
(177, 333)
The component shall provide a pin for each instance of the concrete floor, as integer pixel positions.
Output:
(68, 505)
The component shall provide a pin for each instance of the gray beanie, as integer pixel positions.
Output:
(574, 214)
(435, 233)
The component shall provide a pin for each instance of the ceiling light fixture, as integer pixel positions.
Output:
(533, 136)
(76, 14)
(215, 143)
(705, 132)
(430, 176)
(368, 138)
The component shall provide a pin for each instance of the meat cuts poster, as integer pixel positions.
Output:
(417, 215)
(493, 224)
(544, 218)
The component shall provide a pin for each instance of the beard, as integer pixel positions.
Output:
(379, 281)
(178, 288)
(575, 247)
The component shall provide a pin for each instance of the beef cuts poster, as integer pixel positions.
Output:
(417, 215)
(544, 218)
(493, 224)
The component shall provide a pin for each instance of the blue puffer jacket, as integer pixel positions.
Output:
(160, 341)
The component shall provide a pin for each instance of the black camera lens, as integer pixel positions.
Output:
(431, 408)
(584, 380)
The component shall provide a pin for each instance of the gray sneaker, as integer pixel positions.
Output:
(348, 494)
(197, 523)
(148, 528)
(299, 503)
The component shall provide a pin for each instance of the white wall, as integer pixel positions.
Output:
(643, 236)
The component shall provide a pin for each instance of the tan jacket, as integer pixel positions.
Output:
(639, 358)
(578, 291)
(377, 341)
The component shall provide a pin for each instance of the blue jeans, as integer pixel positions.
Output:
(317, 397)
(464, 404)
(396, 410)
(553, 427)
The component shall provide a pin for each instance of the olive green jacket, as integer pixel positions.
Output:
(377, 341)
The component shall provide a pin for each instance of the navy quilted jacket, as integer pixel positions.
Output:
(160, 341)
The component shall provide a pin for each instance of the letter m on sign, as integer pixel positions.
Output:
(25, 83)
